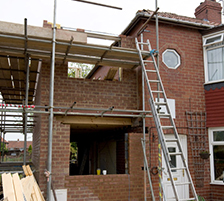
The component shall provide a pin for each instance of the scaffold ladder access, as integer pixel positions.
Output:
(164, 123)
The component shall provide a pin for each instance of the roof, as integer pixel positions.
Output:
(181, 18)
(171, 18)
(18, 144)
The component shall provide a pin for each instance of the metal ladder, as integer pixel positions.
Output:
(164, 121)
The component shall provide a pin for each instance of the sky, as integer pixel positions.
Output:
(85, 16)
(90, 17)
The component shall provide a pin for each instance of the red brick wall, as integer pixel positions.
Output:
(216, 192)
(90, 93)
(37, 130)
(184, 84)
(87, 93)
(112, 187)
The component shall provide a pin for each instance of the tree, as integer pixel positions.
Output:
(79, 70)
(3, 148)
(73, 150)
(30, 150)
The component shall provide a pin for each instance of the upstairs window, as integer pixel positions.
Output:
(214, 58)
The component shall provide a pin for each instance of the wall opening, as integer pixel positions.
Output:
(104, 150)
(79, 70)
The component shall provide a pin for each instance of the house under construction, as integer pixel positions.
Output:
(142, 117)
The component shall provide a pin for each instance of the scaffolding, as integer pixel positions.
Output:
(22, 50)
(21, 55)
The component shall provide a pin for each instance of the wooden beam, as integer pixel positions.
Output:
(8, 188)
(28, 184)
(35, 192)
(111, 74)
(18, 187)
(94, 120)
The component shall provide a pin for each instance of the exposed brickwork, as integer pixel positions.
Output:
(46, 24)
(109, 187)
(87, 93)
(37, 131)
(209, 10)
(128, 41)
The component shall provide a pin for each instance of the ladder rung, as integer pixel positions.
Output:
(164, 115)
(148, 61)
(151, 71)
(186, 199)
(154, 81)
(142, 43)
(167, 127)
(182, 184)
(157, 91)
(179, 168)
(171, 140)
(175, 153)
(160, 103)
(183, 199)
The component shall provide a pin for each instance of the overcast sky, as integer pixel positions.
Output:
(90, 17)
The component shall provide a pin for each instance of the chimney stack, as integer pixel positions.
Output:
(209, 10)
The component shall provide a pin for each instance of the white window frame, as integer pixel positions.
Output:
(178, 56)
(211, 144)
(206, 48)
(215, 42)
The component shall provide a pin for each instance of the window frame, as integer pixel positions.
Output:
(212, 43)
(178, 56)
(206, 48)
(211, 144)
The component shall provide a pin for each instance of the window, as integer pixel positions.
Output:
(213, 40)
(217, 155)
(171, 58)
(173, 162)
(214, 58)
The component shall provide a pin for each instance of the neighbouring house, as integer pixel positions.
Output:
(101, 115)
(17, 147)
